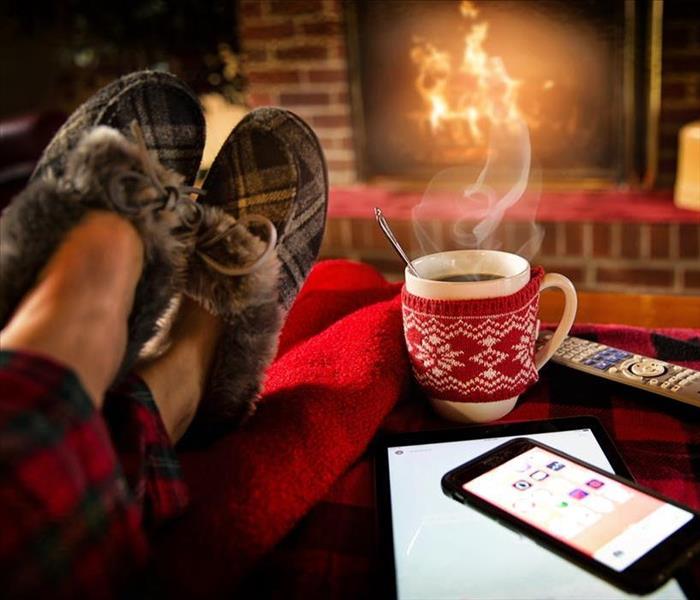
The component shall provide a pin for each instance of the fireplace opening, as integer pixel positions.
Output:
(431, 79)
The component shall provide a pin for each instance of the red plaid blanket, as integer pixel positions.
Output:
(284, 507)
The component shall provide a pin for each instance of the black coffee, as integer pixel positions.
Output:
(470, 277)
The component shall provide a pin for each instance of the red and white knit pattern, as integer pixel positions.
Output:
(473, 350)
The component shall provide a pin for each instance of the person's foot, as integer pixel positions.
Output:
(77, 312)
(104, 172)
(271, 167)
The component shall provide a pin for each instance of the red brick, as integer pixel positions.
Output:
(304, 99)
(267, 32)
(402, 228)
(601, 239)
(630, 240)
(660, 246)
(251, 8)
(333, 237)
(361, 230)
(302, 53)
(338, 51)
(326, 28)
(549, 241)
(256, 99)
(327, 75)
(341, 165)
(385, 264)
(636, 277)
(576, 274)
(273, 76)
(574, 239)
(331, 121)
(689, 240)
(259, 55)
(691, 278)
(294, 7)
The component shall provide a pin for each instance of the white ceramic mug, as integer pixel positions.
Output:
(514, 274)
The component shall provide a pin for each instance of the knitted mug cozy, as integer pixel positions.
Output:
(478, 350)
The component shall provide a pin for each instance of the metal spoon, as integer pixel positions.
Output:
(394, 242)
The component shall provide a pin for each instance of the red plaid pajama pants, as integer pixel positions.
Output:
(79, 489)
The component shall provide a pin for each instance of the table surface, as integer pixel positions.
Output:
(642, 310)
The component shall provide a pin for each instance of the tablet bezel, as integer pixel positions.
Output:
(472, 432)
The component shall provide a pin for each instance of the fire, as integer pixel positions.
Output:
(464, 99)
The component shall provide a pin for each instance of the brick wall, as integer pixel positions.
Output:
(294, 55)
(621, 257)
(680, 88)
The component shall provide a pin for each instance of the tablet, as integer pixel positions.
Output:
(434, 547)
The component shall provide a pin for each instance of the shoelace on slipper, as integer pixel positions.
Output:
(191, 214)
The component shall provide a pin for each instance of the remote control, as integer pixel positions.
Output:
(650, 374)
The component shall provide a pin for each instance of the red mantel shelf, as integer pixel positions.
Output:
(599, 207)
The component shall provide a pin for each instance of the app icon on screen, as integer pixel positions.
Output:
(521, 485)
(556, 465)
(538, 475)
(578, 494)
(595, 484)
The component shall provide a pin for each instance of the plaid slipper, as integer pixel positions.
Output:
(166, 110)
(269, 172)
(104, 172)
(272, 165)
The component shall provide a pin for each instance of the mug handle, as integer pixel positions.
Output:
(567, 319)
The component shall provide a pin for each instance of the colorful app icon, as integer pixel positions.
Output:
(538, 475)
(595, 484)
(556, 466)
(521, 485)
(579, 494)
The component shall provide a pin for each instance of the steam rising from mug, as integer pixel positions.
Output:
(495, 212)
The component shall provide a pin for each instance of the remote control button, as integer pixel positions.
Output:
(665, 384)
(612, 370)
(648, 368)
(653, 382)
(675, 388)
(677, 368)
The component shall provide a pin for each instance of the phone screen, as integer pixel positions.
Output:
(601, 517)
(444, 549)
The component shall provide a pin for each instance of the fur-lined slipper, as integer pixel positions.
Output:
(270, 167)
(169, 114)
(234, 274)
(104, 172)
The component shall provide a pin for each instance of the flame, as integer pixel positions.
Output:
(463, 99)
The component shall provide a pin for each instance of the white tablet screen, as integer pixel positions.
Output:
(443, 549)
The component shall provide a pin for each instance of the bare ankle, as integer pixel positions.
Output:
(178, 378)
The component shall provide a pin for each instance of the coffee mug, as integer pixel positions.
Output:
(470, 324)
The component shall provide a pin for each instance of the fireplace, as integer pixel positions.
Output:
(305, 55)
(432, 80)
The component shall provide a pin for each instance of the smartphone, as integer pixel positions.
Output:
(630, 536)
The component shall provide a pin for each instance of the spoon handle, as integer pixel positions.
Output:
(394, 242)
